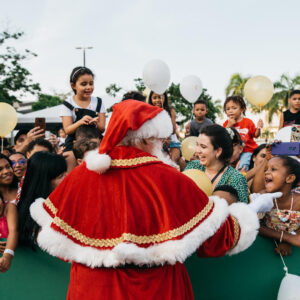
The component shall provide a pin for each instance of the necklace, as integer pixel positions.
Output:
(286, 217)
(220, 171)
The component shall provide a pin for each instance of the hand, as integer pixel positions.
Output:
(60, 151)
(85, 120)
(94, 121)
(5, 262)
(2, 246)
(263, 202)
(231, 122)
(284, 248)
(269, 151)
(260, 123)
(54, 140)
(34, 134)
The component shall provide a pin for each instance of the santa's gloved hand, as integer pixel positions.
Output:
(263, 202)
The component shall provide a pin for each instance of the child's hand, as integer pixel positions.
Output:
(260, 123)
(94, 121)
(85, 120)
(284, 248)
(231, 122)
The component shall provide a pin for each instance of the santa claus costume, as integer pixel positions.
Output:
(127, 221)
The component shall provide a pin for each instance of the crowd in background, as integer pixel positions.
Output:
(227, 153)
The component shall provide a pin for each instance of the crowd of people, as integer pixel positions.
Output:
(228, 154)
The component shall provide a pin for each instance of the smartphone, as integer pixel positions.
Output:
(40, 122)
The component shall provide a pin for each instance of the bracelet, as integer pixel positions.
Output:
(9, 251)
(281, 236)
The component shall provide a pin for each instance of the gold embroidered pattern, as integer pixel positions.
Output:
(50, 205)
(236, 231)
(128, 237)
(133, 161)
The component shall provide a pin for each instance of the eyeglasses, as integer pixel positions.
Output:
(21, 162)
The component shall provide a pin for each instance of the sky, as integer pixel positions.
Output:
(210, 39)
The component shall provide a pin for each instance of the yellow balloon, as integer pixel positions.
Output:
(8, 119)
(259, 90)
(188, 147)
(201, 179)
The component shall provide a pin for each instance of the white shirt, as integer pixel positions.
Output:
(66, 112)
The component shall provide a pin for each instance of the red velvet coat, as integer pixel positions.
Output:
(129, 230)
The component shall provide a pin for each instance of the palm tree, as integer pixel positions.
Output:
(236, 85)
(282, 88)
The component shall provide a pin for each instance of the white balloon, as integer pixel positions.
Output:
(156, 75)
(289, 287)
(191, 88)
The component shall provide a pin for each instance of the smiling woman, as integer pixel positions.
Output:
(8, 181)
(215, 150)
(19, 164)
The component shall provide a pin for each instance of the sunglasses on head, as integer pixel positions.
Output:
(21, 162)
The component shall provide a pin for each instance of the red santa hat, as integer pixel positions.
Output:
(132, 119)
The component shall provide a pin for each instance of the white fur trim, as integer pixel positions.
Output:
(97, 162)
(169, 252)
(249, 225)
(159, 127)
(39, 214)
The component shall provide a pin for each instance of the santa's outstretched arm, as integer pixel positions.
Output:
(240, 228)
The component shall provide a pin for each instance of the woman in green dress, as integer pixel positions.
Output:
(214, 149)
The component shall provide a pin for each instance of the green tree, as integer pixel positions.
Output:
(14, 78)
(283, 88)
(113, 90)
(45, 101)
(236, 85)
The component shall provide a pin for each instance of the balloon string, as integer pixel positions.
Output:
(285, 268)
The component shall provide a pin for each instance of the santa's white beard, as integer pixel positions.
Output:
(157, 151)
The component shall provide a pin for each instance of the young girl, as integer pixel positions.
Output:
(235, 108)
(82, 108)
(8, 233)
(283, 221)
(162, 101)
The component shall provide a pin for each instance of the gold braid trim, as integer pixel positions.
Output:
(128, 237)
(133, 161)
(236, 231)
(50, 205)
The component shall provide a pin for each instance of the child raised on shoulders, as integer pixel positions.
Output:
(199, 111)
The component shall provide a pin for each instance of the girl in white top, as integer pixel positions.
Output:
(82, 108)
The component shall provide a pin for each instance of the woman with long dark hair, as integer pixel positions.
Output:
(44, 173)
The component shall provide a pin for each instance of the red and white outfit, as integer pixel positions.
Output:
(246, 128)
(127, 221)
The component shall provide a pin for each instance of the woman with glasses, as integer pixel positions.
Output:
(19, 164)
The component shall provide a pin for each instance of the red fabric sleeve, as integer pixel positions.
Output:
(222, 241)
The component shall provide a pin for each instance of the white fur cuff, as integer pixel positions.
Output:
(249, 226)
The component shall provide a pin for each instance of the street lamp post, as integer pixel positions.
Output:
(84, 48)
